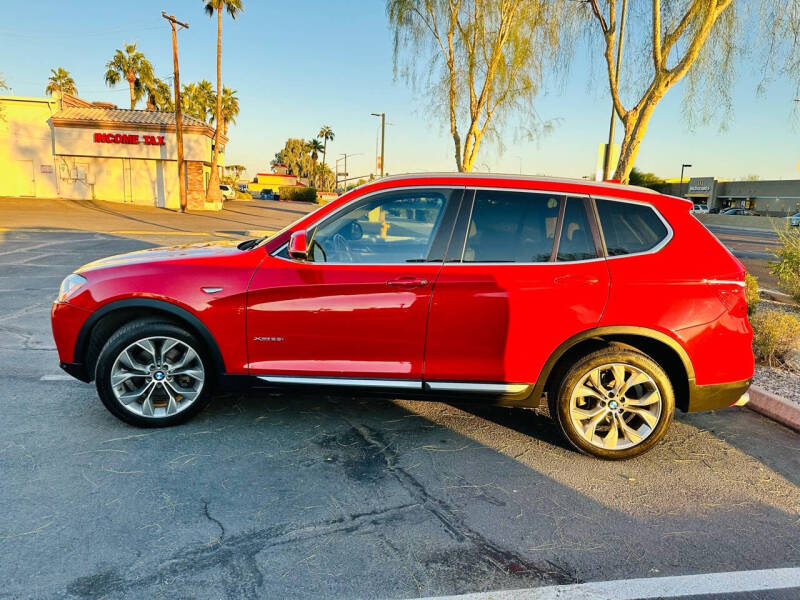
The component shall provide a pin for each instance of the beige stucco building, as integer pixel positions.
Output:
(69, 148)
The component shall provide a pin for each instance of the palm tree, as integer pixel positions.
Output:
(314, 147)
(159, 95)
(131, 66)
(197, 100)
(234, 7)
(62, 82)
(326, 133)
(230, 109)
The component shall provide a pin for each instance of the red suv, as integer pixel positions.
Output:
(606, 305)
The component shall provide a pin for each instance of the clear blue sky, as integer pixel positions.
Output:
(299, 65)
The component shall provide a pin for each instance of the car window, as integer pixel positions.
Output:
(576, 242)
(511, 227)
(390, 228)
(629, 228)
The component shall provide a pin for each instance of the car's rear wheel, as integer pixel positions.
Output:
(153, 374)
(614, 403)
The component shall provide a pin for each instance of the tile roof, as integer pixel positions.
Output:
(120, 115)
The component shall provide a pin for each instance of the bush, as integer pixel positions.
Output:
(243, 195)
(775, 335)
(787, 266)
(298, 193)
(751, 293)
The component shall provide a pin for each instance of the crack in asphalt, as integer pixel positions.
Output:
(213, 520)
(510, 562)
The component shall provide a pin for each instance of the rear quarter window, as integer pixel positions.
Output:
(630, 228)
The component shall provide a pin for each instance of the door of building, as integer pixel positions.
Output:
(26, 178)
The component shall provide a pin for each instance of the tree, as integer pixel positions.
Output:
(296, 158)
(648, 180)
(325, 133)
(667, 43)
(482, 59)
(159, 95)
(132, 66)
(197, 100)
(233, 7)
(230, 109)
(60, 81)
(314, 147)
(237, 170)
(780, 29)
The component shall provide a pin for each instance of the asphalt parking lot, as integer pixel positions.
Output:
(318, 496)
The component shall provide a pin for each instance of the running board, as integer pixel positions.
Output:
(404, 384)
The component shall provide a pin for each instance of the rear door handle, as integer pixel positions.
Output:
(409, 282)
(577, 279)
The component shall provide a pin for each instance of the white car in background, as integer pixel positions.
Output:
(227, 192)
(700, 209)
(794, 220)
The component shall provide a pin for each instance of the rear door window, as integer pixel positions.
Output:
(511, 227)
(629, 228)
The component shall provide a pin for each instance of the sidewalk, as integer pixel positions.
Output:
(238, 219)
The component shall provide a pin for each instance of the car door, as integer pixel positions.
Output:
(508, 295)
(358, 307)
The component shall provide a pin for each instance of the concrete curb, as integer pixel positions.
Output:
(775, 407)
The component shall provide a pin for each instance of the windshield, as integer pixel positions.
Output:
(257, 242)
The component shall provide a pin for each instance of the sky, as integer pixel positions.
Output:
(299, 65)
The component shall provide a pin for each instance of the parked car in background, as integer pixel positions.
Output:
(700, 209)
(266, 194)
(713, 211)
(228, 193)
(738, 211)
(794, 220)
(581, 299)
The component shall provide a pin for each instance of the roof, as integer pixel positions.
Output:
(532, 178)
(121, 115)
(93, 116)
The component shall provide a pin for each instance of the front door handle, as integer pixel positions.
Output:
(409, 282)
(577, 279)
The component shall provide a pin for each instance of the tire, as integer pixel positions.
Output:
(587, 413)
(152, 373)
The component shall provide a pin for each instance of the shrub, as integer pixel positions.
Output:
(243, 195)
(751, 293)
(775, 335)
(787, 266)
(298, 193)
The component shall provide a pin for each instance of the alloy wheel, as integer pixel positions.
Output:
(157, 377)
(615, 406)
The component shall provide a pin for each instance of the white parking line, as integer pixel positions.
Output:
(56, 377)
(655, 587)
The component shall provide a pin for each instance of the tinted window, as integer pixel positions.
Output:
(629, 228)
(576, 242)
(511, 227)
(395, 227)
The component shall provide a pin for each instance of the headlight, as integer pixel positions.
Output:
(69, 286)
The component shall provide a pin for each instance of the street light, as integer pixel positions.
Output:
(383, 135)
(683, 166)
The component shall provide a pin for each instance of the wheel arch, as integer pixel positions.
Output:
(109, 317)
(662, 348)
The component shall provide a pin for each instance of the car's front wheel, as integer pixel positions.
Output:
(153, 374)
(614, 403)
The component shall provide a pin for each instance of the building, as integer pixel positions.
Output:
(67, 147)
(280, 177)
(768, 197)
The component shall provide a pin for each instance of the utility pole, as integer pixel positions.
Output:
(680, 190)
(383, 138)
(176, 82)
(607, 153)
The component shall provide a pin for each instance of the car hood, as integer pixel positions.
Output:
(168, 254)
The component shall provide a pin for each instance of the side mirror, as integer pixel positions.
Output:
(298, 246)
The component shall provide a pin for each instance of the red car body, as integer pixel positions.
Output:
(443, 326)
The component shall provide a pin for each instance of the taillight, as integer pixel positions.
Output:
(733, 298)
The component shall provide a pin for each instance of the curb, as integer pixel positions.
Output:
(775, 407)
